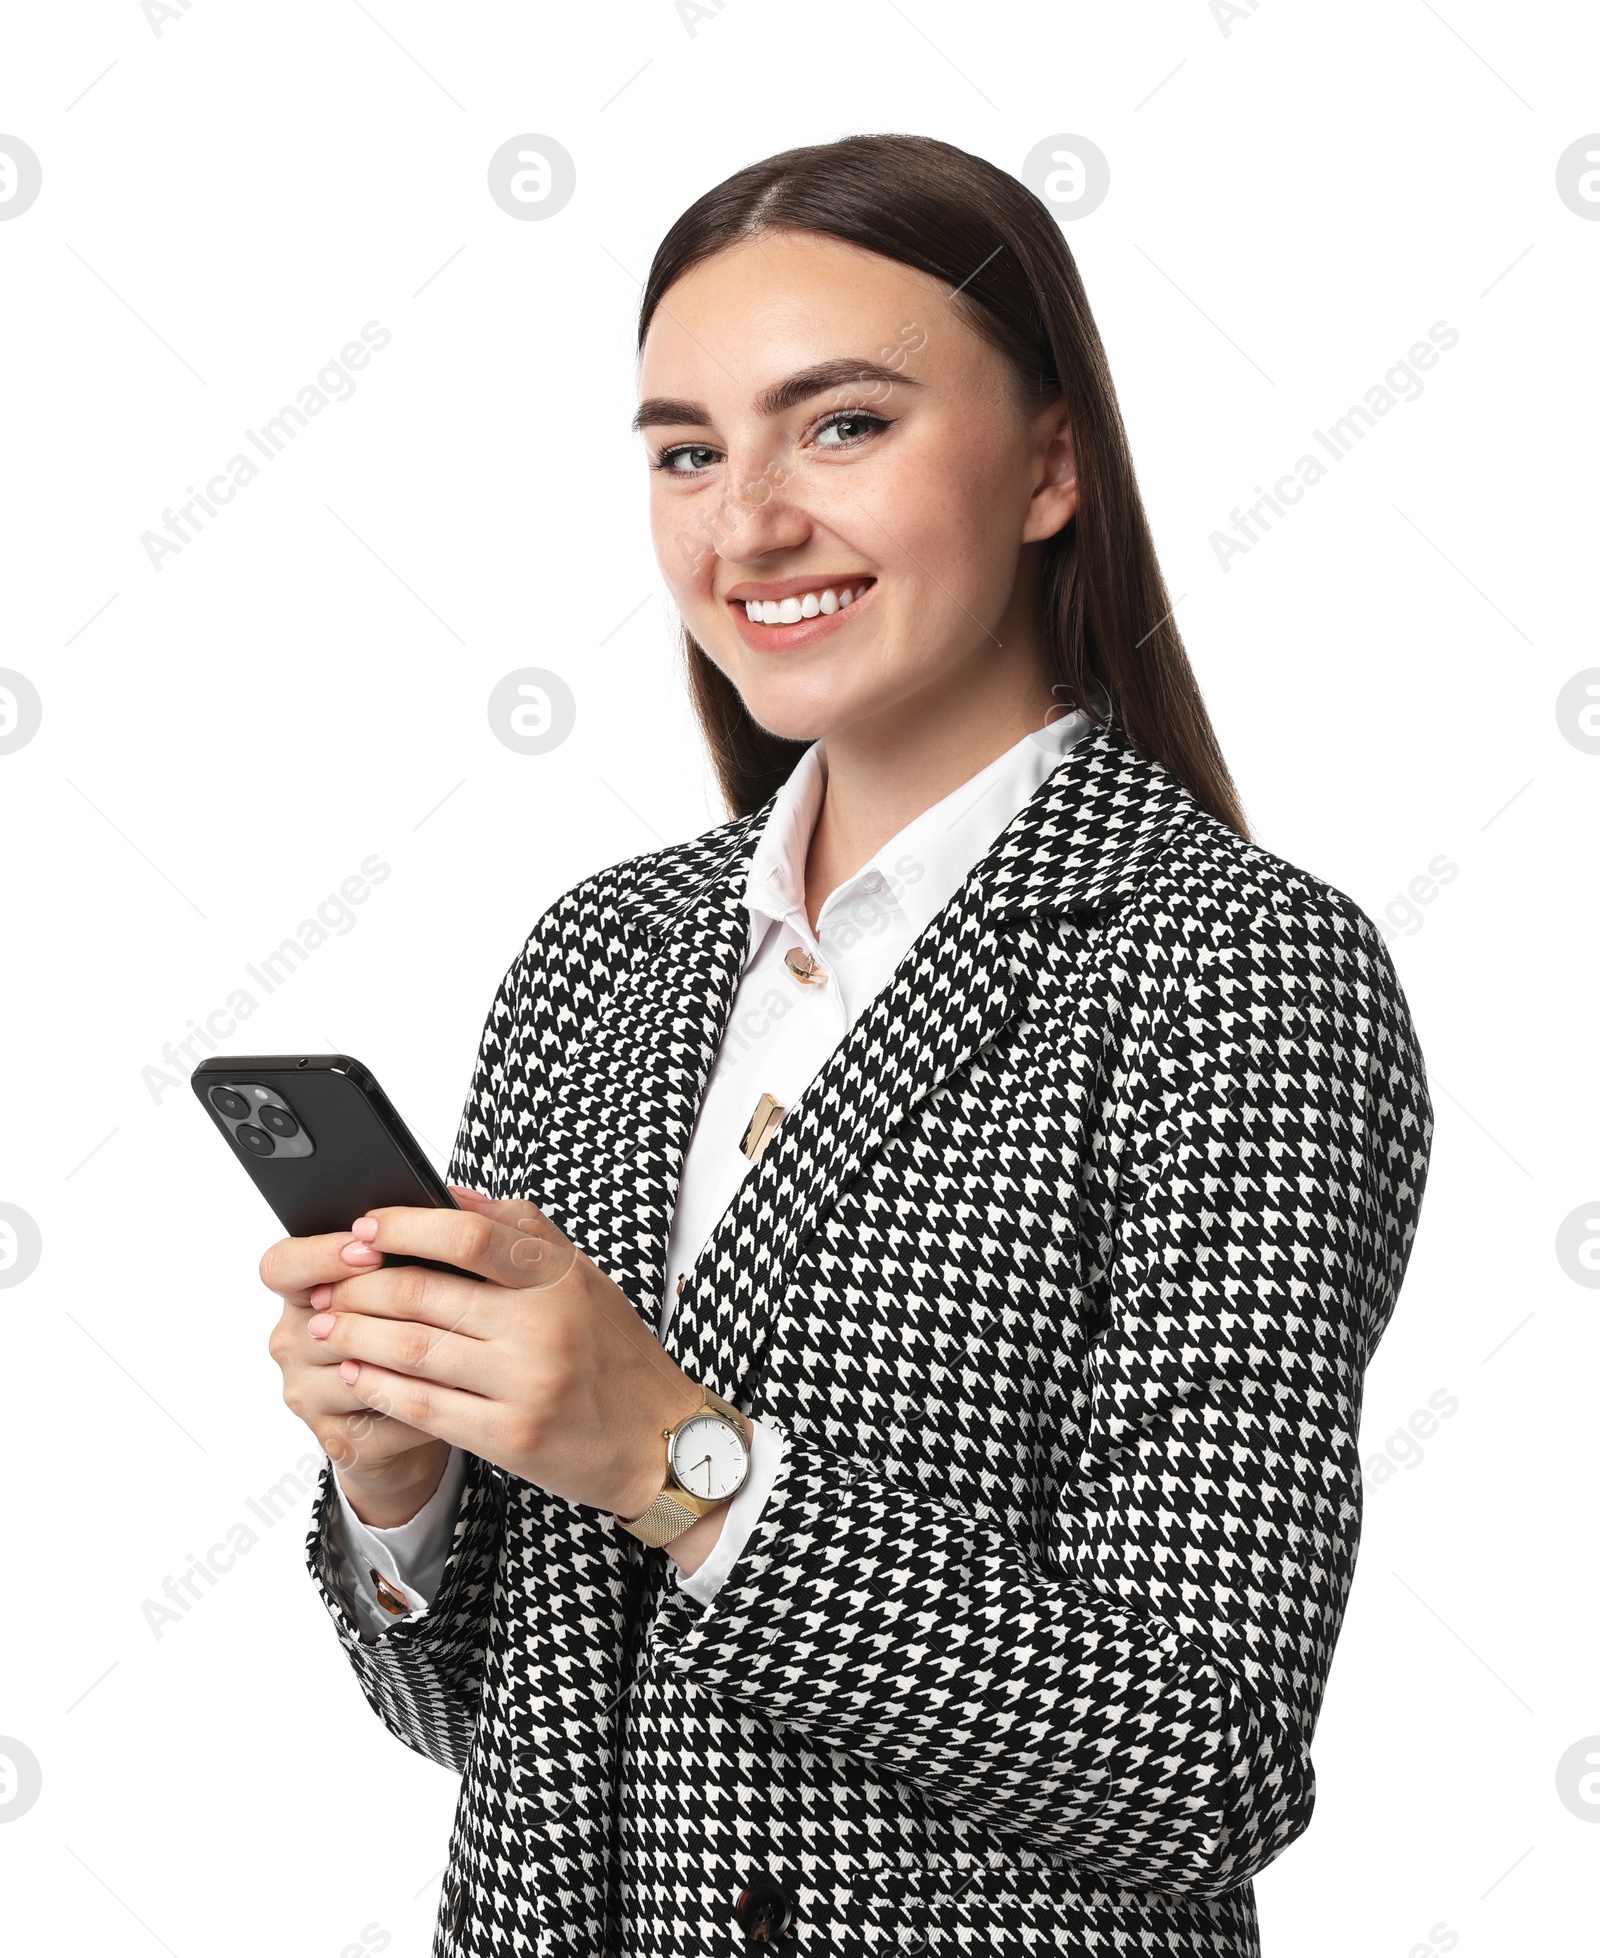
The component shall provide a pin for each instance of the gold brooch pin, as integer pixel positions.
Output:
(763, 1125)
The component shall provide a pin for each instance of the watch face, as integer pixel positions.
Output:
(708, 1457)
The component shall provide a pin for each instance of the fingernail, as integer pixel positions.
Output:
(320, 1324)
(366, 1228)
(361, 1254)
(348, 1371)
(461, 1190)
(319, 1295)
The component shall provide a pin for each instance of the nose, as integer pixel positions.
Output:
(761, 511)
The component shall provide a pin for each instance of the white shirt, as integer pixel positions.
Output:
(780, 1031)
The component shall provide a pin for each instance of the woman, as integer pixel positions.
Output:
(892, 1479)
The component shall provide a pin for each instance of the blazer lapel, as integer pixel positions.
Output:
(605, 1163)
(1086, 836)
(954, 990)
(612, 1147)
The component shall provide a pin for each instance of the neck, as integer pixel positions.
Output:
(883, 773)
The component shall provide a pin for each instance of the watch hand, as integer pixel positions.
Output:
(700, 1465)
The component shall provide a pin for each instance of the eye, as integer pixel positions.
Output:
(686, 459)
(851, 425)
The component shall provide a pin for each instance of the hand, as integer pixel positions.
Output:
(544, 1368)
(386, 1469)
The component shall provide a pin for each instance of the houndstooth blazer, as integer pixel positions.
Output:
(1060, 1279)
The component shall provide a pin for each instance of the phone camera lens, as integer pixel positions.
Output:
(257, 1141)
(279, 1120)
(235, 1107)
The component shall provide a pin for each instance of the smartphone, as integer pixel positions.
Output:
(320, 1140)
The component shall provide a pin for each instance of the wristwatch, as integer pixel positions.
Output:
(708, 1458)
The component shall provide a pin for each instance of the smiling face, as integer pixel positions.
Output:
(847, 492)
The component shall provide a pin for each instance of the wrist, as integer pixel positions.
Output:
(386, 1500)
(643, 1476)
(690, 1550)
(674, 1514)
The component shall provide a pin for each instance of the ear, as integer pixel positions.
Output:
(1054, 501)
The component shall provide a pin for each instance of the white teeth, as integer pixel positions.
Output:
(789, 611)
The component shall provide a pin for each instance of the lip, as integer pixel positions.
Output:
(778, 588)
(805, 632)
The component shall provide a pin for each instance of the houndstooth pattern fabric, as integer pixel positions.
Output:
(1060, 1279)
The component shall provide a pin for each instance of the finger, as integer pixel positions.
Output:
(349, 1430)
(519, 1247)
(464, 1420)
(295, 1264)
(365, 1439)
(410, 1293)
(515, 1211)
(407, 1346)
(521, 1213)
(321, 1394)
(351, 1434)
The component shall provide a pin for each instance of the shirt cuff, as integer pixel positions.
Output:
(410, 1558)
(767, 1448)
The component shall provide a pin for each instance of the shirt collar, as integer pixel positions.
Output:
(922, 866)
(776, 886)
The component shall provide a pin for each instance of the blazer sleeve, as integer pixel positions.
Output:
(423, 1674)
(1138, 1693)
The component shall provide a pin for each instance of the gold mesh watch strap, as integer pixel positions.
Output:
(721, 1406)
(665, 1519)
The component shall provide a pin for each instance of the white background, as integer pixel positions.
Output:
(225, 203)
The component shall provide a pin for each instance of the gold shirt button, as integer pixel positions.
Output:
(804, 967)
(388, 1596)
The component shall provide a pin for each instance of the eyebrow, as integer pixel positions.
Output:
(664, 411)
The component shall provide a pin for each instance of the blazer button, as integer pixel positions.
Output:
(765, 1910)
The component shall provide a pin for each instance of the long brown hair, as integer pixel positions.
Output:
(1112, 645)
